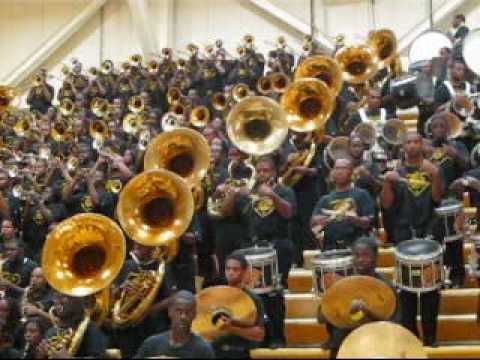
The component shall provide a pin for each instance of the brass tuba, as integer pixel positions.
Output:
(257, 125)
(174, 94)
(200, 116)
(59, 131)
(7, 94)
(280, 82)
(23, 126)
(99, 130)
(322, 68)
(358, 63)
(384, 45)
(100, 107)
(264, 85)
(136, 104)
(182, 151)
(132, 123)
(67, 107)
(219, 101)
(136, 60)
(308, 103)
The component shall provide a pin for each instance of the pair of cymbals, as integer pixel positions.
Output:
(212, 302)
(378, 298)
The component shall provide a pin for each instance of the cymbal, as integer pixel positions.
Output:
(378, 297)
(381, 339)
(221, 299)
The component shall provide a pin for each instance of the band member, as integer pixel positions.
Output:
(372, 112)
(344, 214)
(365, 254)
(414, 190)
(456, 85)
(245, 336)
(40, 96)
(70, 313)
(268, 209)
(35, 330)
(129, 339)
(38, 296)
(459, 30)
(16, 270)
(10, 333)
(179, 341)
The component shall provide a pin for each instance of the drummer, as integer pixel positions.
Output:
(414, 190)
(245, 336)
(365, 254)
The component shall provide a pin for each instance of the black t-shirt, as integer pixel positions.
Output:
(81, 202)
(449, 168)
(339, 234)
(265, 222)
(20, 271)
(413, 204)
(94, 342)
(159, 345)
(38, 101)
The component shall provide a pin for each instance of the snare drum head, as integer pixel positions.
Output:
(257, 251)
(417, 247)
(449, 207)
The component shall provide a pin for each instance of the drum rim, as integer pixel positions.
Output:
(420, 257)
(451, 209)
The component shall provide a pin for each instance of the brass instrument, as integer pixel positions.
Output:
(171, 122)
(93, 71)
(322, 68)
(100, 107)
(280, 82)
(209, 51)
(462, 105)
(200, 116)
(257, 125)
(241, 51)
(136, 60)
(219, 101)
(281, 42)
(136, 104)
(264, 85)
(125, 66)
(394, 131)
(384, 45)
(174, 94)
(366, 132)
(166, 52)
(302, 158)
(308, 103)
(219, 43)
(113, 186)
(38, 80)
(99, 130)
(144, 139)
(240, 92)
(358, 63)
(178, 109)
(192, 49)
(7, 94)
(107, 67)
(198, 195)
(72, 163)
(69, 339)
(153, 67)
(67, 107)
(215, 202)
(23, 126)
(59, 131)
(181, 64)
(132, 123)
(182, 151)
(454, 123)
(336, 149)
(248, 41)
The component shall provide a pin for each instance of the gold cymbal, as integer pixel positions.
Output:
(378, 297)
(221, 299)
(381, 339)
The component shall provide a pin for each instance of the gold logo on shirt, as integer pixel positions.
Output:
(340, 208)
(38, 218)
(439, 156)
(418, 182)
(87, 203)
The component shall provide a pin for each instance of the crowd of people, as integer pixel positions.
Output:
(52, 168)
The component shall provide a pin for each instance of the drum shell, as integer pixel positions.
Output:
(329, 264)
(449, 216)
(263, 276)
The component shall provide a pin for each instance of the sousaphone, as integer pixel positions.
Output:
(384, 44)
(357, 63)
(322, 68)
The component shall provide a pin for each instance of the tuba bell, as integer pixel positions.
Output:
(23, 126)
(248, 41)
(384, 45)
(100, 107)
(136, 60)
(219, 101)
(174, 94)
(257, 125)
(153, 67)
(59, 131)
(182, 151)
(67, 107)
(240, 92)
(264, 85)
(279, 82)
(99, 130)
(336, 149)
(367, 133)
(136, 104)
(171, 122)
(357, 63)
(454, 123)
(394, 131)
(200, 116)
(7, 94)
(462, 106)
(308, 103)
(322, 68)
(107, 67)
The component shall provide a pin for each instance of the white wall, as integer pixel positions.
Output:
(26, 24)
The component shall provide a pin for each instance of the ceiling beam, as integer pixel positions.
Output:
(140, 12)
(445, 10)
(291, 21)
(34, 61)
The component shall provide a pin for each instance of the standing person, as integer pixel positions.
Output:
(344, 214)
(179, 342)
(245, 337)
(414, 190)
(40, 95)
(455, 85)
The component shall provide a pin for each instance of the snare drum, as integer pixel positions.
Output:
(329, 267)
(453, 220)
(263, 276)
(419, 265)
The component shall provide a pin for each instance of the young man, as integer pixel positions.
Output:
(70, 312)
(179, 341)
(365, 254)
(244, 337)
(456, 85)
(414, 190)
(344, 214)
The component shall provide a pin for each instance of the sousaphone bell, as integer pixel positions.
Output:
(357, 63)
(384, 45)
(322, 68)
